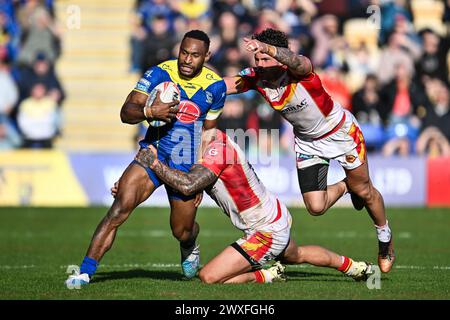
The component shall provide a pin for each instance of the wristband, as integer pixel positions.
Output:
(271, 49)
(145, 112)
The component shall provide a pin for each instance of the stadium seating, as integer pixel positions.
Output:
(428, 13)
(93, 68)
(357, 31)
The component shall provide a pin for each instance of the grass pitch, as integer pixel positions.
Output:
(37, 245)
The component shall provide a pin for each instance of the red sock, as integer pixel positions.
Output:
(259, 276)
(345, 265)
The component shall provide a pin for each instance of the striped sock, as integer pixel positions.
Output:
(263, 276)
(347, 265)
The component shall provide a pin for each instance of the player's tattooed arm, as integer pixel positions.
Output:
(187, 183)
(298, 64)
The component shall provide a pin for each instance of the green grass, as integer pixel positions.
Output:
(37, 245)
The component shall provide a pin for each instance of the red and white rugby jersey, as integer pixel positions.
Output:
(239, 192)
(303, 102)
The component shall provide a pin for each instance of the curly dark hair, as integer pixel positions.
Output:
(273, 37)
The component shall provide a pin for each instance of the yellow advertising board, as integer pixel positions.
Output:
(38, 178)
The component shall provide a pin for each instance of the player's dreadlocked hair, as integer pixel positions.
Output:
(273, 37)
(199, 35)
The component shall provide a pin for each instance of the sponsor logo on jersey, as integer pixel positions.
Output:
(213, 152)
(190, 85)
(166, 67)
(188, 112)
(209, 97)
(143, 85)
(210, 76)
(295, 108)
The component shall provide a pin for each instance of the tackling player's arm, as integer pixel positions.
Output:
(299, 65)
(135, 109)
(234, 84)
(187, 183)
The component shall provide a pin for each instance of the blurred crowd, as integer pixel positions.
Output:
(30, 92)
(394, 79)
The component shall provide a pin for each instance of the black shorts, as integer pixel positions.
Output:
(313, 178)
(255, 264)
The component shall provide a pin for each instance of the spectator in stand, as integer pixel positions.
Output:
(238, 10)
(298, 14)
(9, 32)
(390, 10)
(196, 13)
(404, 26)
(269, 18)
(158, 44)
(142, 19)
(40, 34)
(328, 42)
(400, 51)
(227, 36)
(365, 106)
(334, 83)
(403, 102)
(41, 72)
(38, 118)
(361, 62)
(435, 136)
(433, 62)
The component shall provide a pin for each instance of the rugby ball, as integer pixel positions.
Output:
(169, 91)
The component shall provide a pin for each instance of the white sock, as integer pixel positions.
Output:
(383, 232)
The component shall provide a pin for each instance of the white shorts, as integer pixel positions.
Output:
(346, 145)
(261, 246)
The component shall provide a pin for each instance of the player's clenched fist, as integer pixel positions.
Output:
(162, 111)
(255, 46)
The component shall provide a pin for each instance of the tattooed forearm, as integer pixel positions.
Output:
(298, 64)
(146, 157)
(187, 183)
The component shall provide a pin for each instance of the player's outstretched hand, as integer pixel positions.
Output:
(164, 111)
(255, 46)
(147, 156)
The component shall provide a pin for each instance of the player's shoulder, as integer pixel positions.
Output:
(153, 72)
(168, 66)
(210, 79)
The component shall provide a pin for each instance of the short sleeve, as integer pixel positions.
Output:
(248, 78)
(219, 95)
(151, 78)
(217, 157)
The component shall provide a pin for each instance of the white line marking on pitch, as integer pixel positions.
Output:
(160, 233)
(177, 265)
